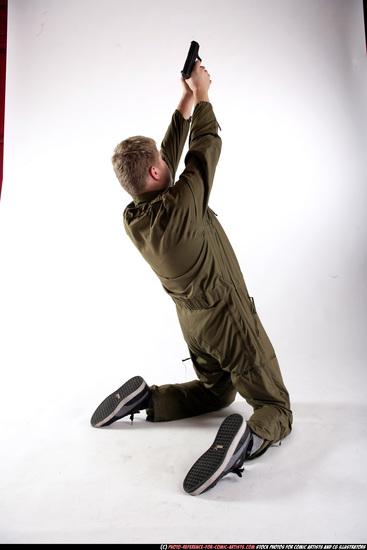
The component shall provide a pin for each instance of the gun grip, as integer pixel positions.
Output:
(191, 59)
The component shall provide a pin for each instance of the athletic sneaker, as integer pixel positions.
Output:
(231, 446)
(130, 399)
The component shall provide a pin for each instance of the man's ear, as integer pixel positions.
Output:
(153, 172)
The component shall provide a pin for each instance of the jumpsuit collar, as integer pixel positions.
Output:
(146, 197)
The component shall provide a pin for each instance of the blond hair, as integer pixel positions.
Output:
(132, 160)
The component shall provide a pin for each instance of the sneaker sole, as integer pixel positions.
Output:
(207, 470)
(128, 395)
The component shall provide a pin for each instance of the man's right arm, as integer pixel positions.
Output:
(187, 100)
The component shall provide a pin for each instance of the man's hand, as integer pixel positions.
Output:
(199, 82)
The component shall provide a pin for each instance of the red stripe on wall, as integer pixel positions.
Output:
(3, 41)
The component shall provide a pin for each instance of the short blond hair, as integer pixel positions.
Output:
(132, 160)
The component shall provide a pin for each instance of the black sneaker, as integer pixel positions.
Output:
(231, 446)
(131, 398)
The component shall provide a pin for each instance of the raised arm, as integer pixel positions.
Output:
(187, 100)
(199, 82)
(196, 181)
(194, 90)
(177, 132)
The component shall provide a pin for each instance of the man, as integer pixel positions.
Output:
(181, 239)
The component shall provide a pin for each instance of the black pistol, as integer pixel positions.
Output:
(192, 57)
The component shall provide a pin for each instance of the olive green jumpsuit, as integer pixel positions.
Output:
(181, 239)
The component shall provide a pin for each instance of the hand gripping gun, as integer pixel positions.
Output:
(191, 59)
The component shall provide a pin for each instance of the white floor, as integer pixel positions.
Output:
(63, 481)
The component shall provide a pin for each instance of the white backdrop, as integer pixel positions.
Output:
(80, 310)
(289, 90)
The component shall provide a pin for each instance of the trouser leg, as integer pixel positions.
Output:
(239, 358)
(256, 374)
(264, 390)
(232, 333)
(212, 391)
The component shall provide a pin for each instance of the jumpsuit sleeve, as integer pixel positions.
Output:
(196, 181)
(174, 141)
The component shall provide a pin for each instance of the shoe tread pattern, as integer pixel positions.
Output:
(210, 462)
(114, 400)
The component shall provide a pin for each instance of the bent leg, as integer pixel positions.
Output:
(264, 390)
(242, 348)
(257, 375)
(212, 391)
